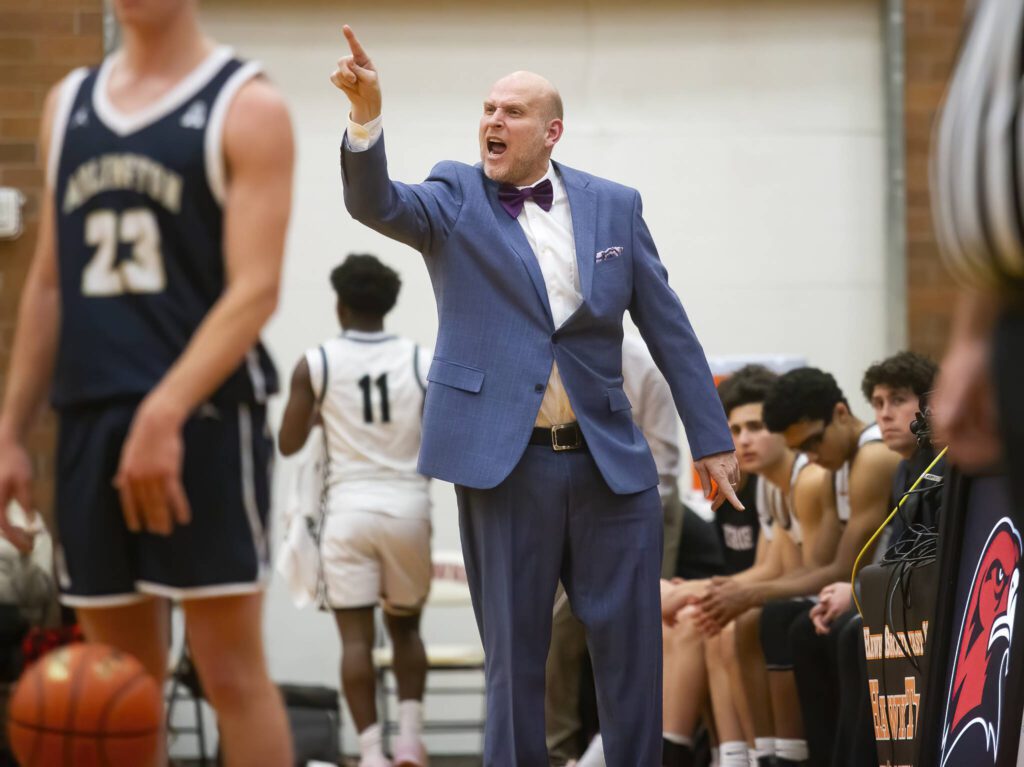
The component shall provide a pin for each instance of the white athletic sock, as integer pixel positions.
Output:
(594, 755)
(764, 747)
(371, 741)
(410, 718)
(792, 749)
(733, 753)
(680, 740)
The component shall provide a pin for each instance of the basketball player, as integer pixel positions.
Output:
(788, 503)
(828, 641)
(168, 191)
(894, 388)
(367, 387)
(808, 408)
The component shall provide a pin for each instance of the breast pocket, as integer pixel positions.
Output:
(609, 265)
(613, 285)
(456, 375)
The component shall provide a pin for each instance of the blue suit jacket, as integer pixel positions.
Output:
(497, 340)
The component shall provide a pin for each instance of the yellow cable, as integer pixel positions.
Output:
(856, 562)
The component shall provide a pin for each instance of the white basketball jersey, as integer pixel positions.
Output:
(372, 410)
(872, 433)
(776, 508)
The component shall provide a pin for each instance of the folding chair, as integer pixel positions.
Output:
(185, 687)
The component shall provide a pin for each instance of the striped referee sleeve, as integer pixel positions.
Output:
(977, 159)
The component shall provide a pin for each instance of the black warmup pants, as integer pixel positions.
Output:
(832, 682)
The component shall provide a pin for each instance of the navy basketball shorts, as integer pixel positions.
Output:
(777, 616)
(222, 551)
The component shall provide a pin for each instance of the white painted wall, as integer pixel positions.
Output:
(753, 128)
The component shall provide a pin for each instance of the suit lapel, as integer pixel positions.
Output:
(514, 237)
(583, 209)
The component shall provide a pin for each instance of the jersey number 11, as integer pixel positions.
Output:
(385, 407)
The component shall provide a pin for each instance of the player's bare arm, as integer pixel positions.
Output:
(870, 482)
(814, 505)
(33, 356)
(870, 486)
(814, 498)
(259, 156)
(299, 413)
(358, 78)
(779, 550)
(678, 593)
(726, 598)
(819, 523)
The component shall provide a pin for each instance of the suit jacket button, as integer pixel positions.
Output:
(538, 388)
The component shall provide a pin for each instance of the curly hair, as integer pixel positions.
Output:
(804, 394)
(365, 285)
(905, 370)
(746, 386)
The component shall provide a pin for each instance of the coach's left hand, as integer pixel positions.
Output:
(723, 469)
(149, 476)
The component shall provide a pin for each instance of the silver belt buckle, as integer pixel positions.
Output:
(557, 429)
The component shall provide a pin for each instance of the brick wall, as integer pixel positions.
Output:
(932, 33)
(40, 41)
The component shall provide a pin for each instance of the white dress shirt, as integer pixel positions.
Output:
(551, 239)
(653, 409)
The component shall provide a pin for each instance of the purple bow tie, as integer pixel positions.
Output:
(512, 199)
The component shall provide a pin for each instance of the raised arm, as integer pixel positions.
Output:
(421, 215)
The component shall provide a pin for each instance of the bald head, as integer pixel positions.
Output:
(520, 125)
(538, 87)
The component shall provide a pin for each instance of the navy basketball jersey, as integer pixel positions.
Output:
(738, 531)
(139, 222)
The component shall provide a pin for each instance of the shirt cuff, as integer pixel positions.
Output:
(361, 137)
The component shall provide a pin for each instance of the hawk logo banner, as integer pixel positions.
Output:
(974, 704)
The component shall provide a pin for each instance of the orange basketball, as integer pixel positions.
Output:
(85, 705)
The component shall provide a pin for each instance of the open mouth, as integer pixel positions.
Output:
(495, 148)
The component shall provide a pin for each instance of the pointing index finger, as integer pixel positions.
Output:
(358, 53)
(730, 495)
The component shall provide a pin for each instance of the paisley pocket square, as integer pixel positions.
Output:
(608, 253)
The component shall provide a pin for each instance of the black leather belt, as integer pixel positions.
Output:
(564, 436)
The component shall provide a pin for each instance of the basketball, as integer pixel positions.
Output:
(85, 705)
